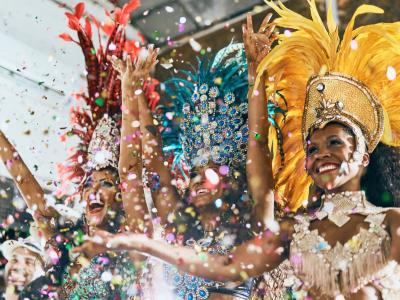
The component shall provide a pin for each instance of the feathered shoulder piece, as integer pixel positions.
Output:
(327, 78)
(103, 96)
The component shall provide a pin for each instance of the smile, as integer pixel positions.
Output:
(96, 205)
(327, 168)
(202, 191)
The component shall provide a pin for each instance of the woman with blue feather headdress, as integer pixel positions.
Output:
(209, 146)
(205, 129)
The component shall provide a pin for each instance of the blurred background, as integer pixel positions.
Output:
(39, 71)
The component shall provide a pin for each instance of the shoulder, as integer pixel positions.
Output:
(393, 215)
(392, 220)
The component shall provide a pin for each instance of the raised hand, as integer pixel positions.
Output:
(257, 44)
(133, 74)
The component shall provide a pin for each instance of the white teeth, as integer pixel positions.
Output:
(201, 191)
(327, 168)
(96, 201)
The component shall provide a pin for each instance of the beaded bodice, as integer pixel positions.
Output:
(340, 269)
(106, 277)
(189, 287)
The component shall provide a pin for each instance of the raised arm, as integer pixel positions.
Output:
(26, 183)
(392, 222)
(165, 196)
(259, 164)
(250, 259)
(130, 163)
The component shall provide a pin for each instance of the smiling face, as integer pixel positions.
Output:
(205, 185)
(329, 159)
(99, 195)
(22, 267)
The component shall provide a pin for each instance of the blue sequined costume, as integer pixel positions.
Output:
(211, 106)
(189, 287)
(108, 276)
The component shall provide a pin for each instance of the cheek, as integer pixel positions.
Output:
(30, 268)
(309, 163)
(110, 197)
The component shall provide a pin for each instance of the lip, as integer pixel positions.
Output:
(327, 167)
(202, 191)
(201, 201)
(95, 206)
(15, 277)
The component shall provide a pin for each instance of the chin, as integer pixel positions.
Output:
(329, 185)
(202, 201)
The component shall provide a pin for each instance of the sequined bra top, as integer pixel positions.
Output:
(342, 269)
(189, 287)
(108, 276)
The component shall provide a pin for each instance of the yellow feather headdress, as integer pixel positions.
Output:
(367, 56)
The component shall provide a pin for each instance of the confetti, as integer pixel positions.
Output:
(99, 101)
(391, 73)
(169, 9)
(212, 176)
(195, 45)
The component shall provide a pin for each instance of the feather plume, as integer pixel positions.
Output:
(104, 88)
(364, 53)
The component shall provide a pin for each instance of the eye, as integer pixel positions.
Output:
(193, 175)
(107, 184)
(312, 150)
(335, 142)
(30, 262)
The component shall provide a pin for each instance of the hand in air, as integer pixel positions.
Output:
(257, 44)
(133, 74)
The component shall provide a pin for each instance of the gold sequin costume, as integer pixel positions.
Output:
(364, 62)
(350, 80)
(342, 269)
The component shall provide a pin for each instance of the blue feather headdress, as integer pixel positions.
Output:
(210, 105)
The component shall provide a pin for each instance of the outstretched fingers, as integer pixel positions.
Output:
(249, 27)
(265, 23)
(118, 64)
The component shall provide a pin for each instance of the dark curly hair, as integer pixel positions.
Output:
(381, 181)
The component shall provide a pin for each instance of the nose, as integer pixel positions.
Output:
(18, 266)
(94, 188)
(323, 152)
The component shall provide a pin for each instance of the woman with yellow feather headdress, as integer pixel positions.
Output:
(343, 108)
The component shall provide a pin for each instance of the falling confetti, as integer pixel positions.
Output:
(391, 73)
(195, 45)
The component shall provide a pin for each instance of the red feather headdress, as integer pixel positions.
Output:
(104, 88)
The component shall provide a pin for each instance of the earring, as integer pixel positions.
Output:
(118, 197)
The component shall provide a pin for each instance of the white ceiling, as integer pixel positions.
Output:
(163, 20)
(33, 57)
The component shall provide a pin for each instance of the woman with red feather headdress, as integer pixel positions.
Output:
(107, 174)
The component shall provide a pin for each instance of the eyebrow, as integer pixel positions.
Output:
(105, 178)
(334, 135)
